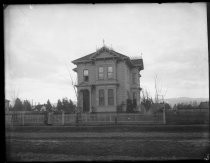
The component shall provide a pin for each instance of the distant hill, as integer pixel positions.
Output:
(185, 100)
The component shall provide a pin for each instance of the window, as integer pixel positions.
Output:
(110, 72)
(101, 73)
(85, 75)
(101, 97)
(134, 78)
(110, 97)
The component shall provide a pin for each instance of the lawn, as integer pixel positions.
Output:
(102, 143)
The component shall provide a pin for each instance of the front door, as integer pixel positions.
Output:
(86, 101)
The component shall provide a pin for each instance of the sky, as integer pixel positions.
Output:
(42, 40)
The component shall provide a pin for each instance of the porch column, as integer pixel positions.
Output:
(116, 97)
(80, 100)
(90, 92)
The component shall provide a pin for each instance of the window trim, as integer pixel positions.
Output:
(99, 97)
(108, 72)
(112, 97)
(134, 78)
(85, 76)
(100, 73)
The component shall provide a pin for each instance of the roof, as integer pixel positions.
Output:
(137, 62)
(204, 105)
(90, 57)
(85, 58)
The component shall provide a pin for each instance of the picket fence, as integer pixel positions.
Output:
(15, 119)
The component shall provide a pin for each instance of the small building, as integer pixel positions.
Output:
(106, 79)
(204, 105)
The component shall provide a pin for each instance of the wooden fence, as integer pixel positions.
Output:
(188, 117)
(83, 119)
(169, 117)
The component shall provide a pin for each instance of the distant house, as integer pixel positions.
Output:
(43, 108)
(204, 105)
(106, 79)
(7, 105)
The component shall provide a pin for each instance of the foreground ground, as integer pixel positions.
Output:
(64, 143)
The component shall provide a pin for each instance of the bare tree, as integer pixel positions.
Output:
(14, 95)
(159, 94)
(146, 100)
(73, 82)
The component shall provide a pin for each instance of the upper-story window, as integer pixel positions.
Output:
(101, 73)
(101, 97)
(134, 78)
(85, 75)
(110, 72)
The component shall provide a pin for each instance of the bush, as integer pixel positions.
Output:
(129, 107)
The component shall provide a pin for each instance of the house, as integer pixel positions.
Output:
(106, 79)
(204, 105)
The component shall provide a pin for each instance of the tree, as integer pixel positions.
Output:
(159, 91)
(72, 106)
(73, 84)
(65, 104)
(167, 106)
(48, 106)
(68, 106)
(14, 95)
(146, 100)
(27, 105)
(129, 107)
(59, 106)
(18, 105)
(38, 107)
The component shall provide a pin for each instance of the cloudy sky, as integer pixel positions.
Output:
(42, 40)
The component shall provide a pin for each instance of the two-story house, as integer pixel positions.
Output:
(106, 79)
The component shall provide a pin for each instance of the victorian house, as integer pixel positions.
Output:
(106, 79)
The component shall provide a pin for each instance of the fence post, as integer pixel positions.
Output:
(115, 120)
(23, 119)
(63, 118)
(164, 116)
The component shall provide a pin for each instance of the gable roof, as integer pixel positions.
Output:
(92, 56)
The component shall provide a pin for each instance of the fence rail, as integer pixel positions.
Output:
(73, 119)
(170, 117)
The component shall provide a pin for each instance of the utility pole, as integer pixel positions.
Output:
(164, 111)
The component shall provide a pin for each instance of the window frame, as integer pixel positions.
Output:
(101, 99)
(108, 73)
(85, 77)
(100, 73)
(110, 98)
(134, 78)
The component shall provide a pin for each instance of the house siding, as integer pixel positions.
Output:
(121, 83)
